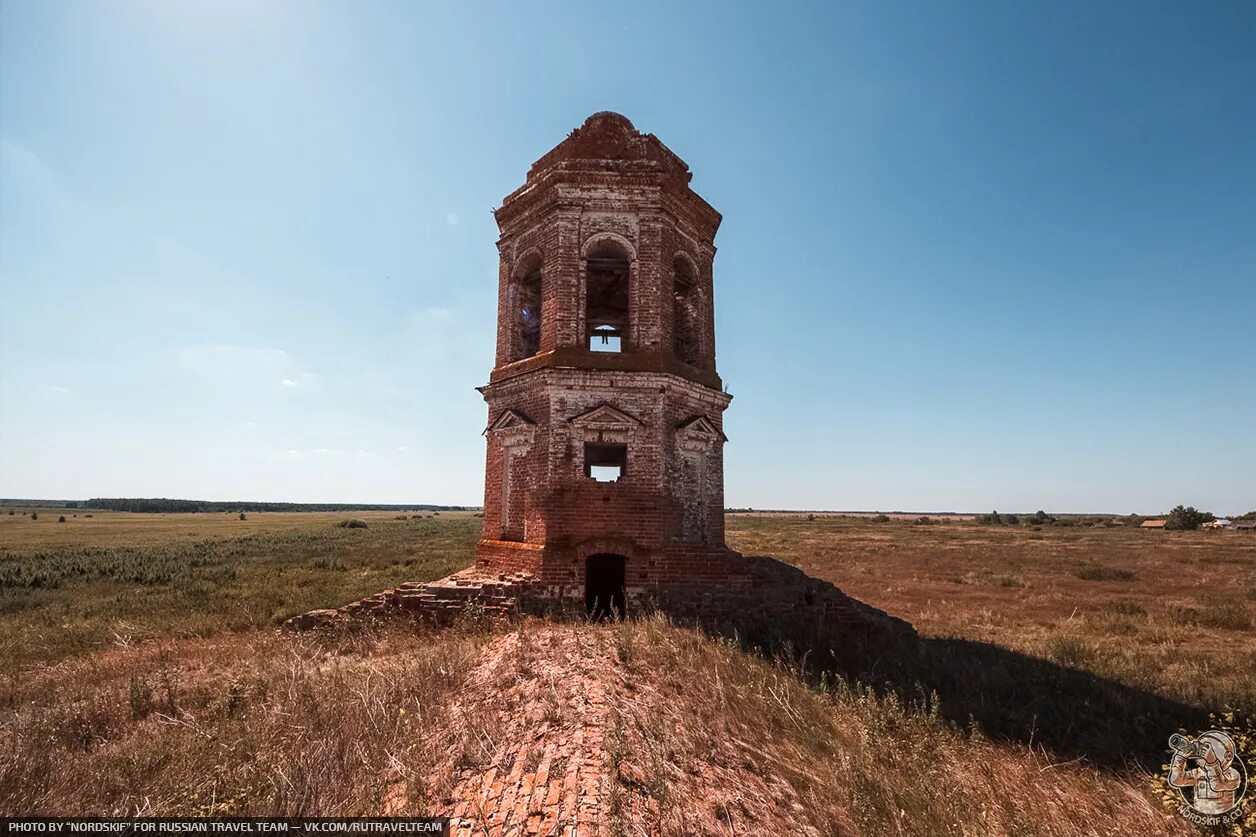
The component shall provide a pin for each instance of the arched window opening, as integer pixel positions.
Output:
(606, 298)
(684, 311)
(525, 291)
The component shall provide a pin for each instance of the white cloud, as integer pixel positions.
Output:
(288, 382)
(53, 389)
(451, 218)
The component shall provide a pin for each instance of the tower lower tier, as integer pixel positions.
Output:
(615, 469)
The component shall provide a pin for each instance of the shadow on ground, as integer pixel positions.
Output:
(1005, 694)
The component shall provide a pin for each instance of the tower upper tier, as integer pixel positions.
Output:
(606, 260)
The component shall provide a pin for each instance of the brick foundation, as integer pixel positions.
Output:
(763, 596)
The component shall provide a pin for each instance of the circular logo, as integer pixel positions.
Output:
(1208, 772)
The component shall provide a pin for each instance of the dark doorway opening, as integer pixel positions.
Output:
(604, 586)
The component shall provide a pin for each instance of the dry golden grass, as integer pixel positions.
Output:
(687, 735)
(144, 676)
(257, 723)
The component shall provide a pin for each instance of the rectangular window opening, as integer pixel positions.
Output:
(606, 339)
(605, 463)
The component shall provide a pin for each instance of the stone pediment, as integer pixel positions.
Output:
(605, 417)
(510, 420)
(606, 424)
(700, 427)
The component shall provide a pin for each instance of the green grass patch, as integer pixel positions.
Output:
(61, 601)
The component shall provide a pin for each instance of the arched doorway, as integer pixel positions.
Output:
(604, 586)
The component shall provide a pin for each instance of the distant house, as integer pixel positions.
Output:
(1152, 524)
(1219, 523)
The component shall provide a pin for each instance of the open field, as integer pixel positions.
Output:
(1172, 612)
(88, 528)
(67, 588)
(140, 650)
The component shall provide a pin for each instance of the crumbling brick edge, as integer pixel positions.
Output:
(765, 595)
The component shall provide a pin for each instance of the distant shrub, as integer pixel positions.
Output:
(996, 519)
(34, 515)
(243, 516)
(1041, 518)
(811, 517)
(402, 517)
(881, 518)
(61, 519)
(352, 524)
(1126, 608)
(923, 520)
(1099, 572)
(88, 515)
(1214, 612)
(1069, 651)
(1186, 518)
(11, 512)
(329, 564)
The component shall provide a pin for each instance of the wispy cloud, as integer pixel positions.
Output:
(451, 218)
(53, 389)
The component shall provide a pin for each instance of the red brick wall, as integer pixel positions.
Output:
(637, 194)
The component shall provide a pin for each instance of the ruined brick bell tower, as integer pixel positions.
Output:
(605, 476)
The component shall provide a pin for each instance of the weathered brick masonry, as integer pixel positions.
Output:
(604, 478)
(605, 246)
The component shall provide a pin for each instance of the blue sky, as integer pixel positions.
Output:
(974, 256)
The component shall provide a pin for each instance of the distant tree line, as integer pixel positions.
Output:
(1180, 518)
(1038, 518)
(151, 504)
